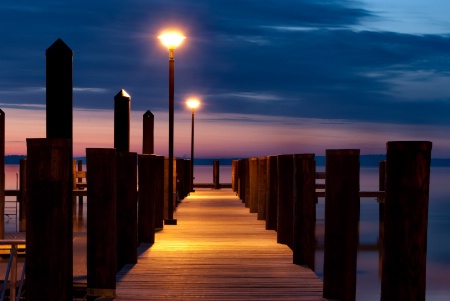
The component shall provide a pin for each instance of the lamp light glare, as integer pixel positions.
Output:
(193, 103)
(171, 39)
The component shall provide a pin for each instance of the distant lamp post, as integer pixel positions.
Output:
(192, 104)
(171, 40)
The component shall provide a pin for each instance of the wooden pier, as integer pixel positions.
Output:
(218, 251)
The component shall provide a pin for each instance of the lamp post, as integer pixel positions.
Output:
(192, 104)
(171, 40)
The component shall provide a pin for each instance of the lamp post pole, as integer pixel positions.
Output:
(171, 41)
(193, 104)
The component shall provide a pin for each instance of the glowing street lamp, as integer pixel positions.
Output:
(192, 104)
(171, 40)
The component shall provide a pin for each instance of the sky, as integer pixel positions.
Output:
(273, 76)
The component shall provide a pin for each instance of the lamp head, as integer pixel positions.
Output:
(193, 103)
(171, 39)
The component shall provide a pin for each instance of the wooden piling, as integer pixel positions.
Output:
(49, 220)
(406, 220)
(126, 172)
(216, 174)
(159, 191)
(2, 174)
(80, 180)
(285, 200)
(23, 195)
(148, 125)
(241, 180)
(253, 197)
(272, 193)
(122, 104)
(304, 244)
(341, 223)
(59, 91)
(146, 211)
(101, 223)
(261, 193)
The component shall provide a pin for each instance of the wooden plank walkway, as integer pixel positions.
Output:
(218, 251)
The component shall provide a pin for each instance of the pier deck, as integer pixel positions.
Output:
(218, 251)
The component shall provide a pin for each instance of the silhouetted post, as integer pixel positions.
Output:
(216, 174)
(158, 182)
(80, 180)
(188, 180)
(253, 199)
(170, 170)
(122, 104)
(23, 195)
(180, 174)
(285, 200)
(242, 177)
(148, 122)
(49, 220)
(101, 223)
(304, 210)
(235, 175)
(406, 220)
(59, 91)
(341, 223)
(146, 211)
(272, 193)
(262, 179)
(126, 208)
(2, 174)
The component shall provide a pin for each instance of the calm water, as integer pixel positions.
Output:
(368, 279)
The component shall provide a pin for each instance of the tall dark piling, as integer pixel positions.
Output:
(262, 182)
(216, 174)
(59, 91)
(49, 220)
(146, 211)
(304, 210)
(272, 193)
(148, 125)
(341, 223)
(406, 220)
(101, 223)
(126, 216)
(23, 195)
(253, 197)
(158, 182)
(122, 104)
(285, 200)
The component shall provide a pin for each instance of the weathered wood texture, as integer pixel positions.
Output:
(122, 107)
(272, 193)
(304, 210)
(253, 197)
(126, 208)
(406, 220)
(285, 200)
(148, 125)
(49, 220)
(146, 212)
(262, 182)
(101, 222)
(218, 251)
(341, 223)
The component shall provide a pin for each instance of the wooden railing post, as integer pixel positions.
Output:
(272, 193)
(49, 220)
(146, 211)
(122, 121)
(126, 208)
(262, 179)
(158, 182)
(101, 223)
(406, 220)
(23, 195)
(216, 174)
(304, 210)
(285, 200)
(148, 133)
(59, 91)
(341, 224)
(253, 197)
(241, 180)
(247, 183)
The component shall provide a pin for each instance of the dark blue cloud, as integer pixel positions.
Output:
(284, 57)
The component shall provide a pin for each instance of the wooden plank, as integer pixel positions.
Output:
(218, 251)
